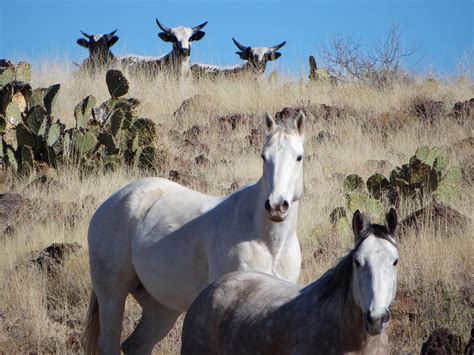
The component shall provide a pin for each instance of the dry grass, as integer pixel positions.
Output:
(44, 313)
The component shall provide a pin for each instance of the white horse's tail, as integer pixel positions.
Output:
(90, 335)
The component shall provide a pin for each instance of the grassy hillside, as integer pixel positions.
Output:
(43, 312)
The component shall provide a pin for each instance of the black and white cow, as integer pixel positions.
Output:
(100, 55)
(175, 62)
(256, 59)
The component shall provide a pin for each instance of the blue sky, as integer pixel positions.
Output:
(41, 29)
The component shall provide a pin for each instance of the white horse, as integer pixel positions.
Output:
(346, 311)
(164, 243)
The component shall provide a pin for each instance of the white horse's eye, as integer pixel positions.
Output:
(357, 263)
(300, 157)
(395, 262)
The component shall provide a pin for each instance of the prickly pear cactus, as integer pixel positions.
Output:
(83, 143)
(83, 111)
(448, 188)
(353, 182)
(116, 83)
(27, 160)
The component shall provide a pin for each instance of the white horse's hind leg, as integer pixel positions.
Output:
(155, 323)
(110, 314)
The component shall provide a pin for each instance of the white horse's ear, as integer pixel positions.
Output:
(391, 220)
(269, 122)
(359, 223)
(299, 122)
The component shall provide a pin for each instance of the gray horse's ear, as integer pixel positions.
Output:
(269, 122)
(299, 122)
(391, 220)
(359, 223)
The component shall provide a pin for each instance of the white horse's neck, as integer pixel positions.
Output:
(273, 234)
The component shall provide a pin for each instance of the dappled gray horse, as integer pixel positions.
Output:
(256, 59)
(345, 311)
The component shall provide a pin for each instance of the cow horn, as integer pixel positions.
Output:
(164, 28)
(199, 27)
(86, 35)
(111, 33)
(278, 46)
(241, 47)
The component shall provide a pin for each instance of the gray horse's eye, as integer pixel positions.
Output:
(357, 263)
(263, 157)
(395, 262)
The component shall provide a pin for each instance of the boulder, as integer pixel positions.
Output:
(55, 255)
(443, 342)
(437, 215)
(12, 204)
(463, 109)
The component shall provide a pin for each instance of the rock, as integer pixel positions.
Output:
(194, 133)
(428, 110)
(326, 136)
(54, 255)
(287, 113)
(202, 161)
(232, 122)
(469, 350)
(12, 204)
(202, 104)
(327, 112)
(442, 342)
(467, 169)
(463, 109)
(437, 215)
(255, 138)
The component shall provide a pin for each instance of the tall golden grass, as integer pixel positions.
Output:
(44, 314)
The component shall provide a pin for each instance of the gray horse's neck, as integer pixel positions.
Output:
(340, 315)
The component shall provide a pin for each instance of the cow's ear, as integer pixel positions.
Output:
(197, 36)
(83, 43)
(112, 41)
(165, 36)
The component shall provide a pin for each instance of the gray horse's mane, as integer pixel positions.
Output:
(337, 281)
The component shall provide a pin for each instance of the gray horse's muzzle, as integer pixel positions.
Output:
(375, 326)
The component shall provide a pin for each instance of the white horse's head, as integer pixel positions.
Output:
(374, 276)
(282, 156)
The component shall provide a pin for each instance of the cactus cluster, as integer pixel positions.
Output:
(426, 173)
(103, 136)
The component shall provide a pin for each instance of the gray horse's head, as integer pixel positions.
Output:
(374, 272)
(181, 37)
(258, 56)
(282, 155)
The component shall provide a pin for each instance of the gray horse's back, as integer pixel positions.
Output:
(232, 315)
